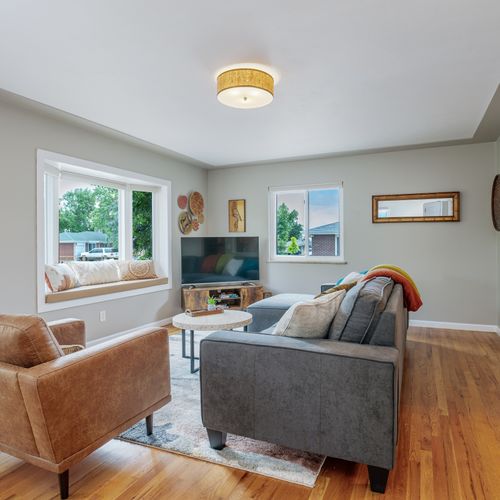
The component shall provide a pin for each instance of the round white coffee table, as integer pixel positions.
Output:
(228, 320)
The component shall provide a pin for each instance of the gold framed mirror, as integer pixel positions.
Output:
(418, 207)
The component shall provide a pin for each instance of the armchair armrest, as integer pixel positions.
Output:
(69, 331)
(79, 401)
(334, 398)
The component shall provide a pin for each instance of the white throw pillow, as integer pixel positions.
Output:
(60, 277)
(96, 273)
(233, 266)
(310, 319)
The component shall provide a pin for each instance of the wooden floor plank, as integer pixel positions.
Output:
(448, 444)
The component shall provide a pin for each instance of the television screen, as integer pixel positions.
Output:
(219, 260)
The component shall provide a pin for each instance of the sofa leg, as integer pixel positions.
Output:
(217, 439)
(378, 478)
(64, 484)
(149, 424)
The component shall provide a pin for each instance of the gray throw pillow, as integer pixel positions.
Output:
(359, 313)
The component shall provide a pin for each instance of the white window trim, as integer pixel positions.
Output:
(53, 164)
(303, 259)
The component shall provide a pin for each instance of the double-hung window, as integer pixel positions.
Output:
(306, 223)
(91, 212)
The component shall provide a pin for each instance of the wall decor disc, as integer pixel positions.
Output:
(182, 201)
(185, 222)
(495, 203)
(196, 203)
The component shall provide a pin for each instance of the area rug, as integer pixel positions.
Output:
(178, 428)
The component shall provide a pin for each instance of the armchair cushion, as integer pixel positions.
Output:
(68, 331)
(26, 341)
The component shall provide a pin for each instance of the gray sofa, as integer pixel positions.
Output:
(335, 398)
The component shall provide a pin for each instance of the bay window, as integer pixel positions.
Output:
(88, 211)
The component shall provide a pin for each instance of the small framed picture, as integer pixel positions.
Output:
(237, 216)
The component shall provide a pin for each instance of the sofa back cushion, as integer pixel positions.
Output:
(359, 313)
(26, 341)
(310, 319)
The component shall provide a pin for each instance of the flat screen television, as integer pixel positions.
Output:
(219, 259)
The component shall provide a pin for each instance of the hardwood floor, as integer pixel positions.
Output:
(449, 444)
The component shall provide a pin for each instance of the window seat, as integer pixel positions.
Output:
(82, 292)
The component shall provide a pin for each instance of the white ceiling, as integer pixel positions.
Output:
(355, 74)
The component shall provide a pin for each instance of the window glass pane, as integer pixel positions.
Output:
(324, 222)
(142, 225)
(290, 223)
(88, 221)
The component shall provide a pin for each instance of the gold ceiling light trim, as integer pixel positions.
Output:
(245, 88)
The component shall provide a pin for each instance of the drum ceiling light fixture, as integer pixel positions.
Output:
(245, 87)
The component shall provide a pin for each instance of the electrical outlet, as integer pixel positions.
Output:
(102, 316)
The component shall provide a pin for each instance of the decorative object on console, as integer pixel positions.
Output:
(495, 203)
(212, 303)
(203, 312)
(419, 207)
(237, 218)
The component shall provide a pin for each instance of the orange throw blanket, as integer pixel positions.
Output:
(413, 301)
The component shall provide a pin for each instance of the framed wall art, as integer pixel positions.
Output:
(237, 217)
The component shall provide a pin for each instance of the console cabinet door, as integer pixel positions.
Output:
(195, 299)
(251, 294)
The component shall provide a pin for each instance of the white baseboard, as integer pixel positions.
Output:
(455, 326)
(154, 324)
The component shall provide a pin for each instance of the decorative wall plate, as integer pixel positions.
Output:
(185, 222)
(495, 203)
(196, 203)
(182, 201)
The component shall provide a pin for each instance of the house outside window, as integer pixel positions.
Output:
(305, 223)
(90, 212)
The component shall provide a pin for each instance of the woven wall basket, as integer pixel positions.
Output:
(495, 203)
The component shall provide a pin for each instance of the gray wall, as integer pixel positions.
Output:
(25, 128)
(454, 264)
(497, 151)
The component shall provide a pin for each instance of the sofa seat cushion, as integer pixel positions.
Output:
(26, 341)
(310, 319)
(267, 312)
(281, 301)
(359, 313)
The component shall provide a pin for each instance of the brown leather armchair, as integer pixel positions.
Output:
(56, 409)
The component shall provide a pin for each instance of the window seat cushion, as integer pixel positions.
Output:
(103, 289)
